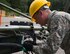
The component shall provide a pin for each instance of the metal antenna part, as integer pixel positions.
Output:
(4, 5)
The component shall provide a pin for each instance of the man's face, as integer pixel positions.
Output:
(41, 17)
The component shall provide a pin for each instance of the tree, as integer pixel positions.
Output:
(14, 3)
(5, 2)
(60, 5)
(66, 5)
(56, 5)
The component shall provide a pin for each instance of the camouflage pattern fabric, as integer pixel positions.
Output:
(59, 29)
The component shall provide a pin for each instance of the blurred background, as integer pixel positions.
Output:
(23, 6)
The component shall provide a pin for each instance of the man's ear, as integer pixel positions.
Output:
(40, 13)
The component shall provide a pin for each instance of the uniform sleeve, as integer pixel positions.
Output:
(57, 32)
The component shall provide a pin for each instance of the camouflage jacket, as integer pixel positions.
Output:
(59, 29)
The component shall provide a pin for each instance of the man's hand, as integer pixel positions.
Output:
(28, 45)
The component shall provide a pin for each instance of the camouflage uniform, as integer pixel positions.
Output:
(59, 29)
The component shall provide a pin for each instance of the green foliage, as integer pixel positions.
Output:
(5, 2)
(56, 5)
(23, 5)
(28, 3)
(14, 4)
(20, 5)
